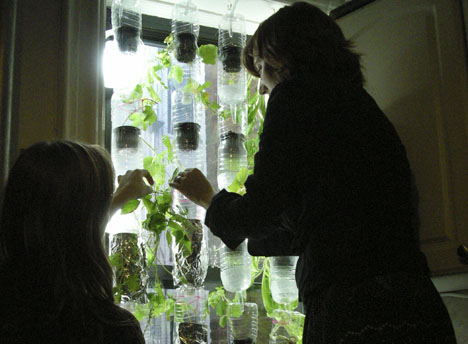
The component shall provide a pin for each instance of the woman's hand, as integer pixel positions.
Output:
(193, 184)
(131, 186)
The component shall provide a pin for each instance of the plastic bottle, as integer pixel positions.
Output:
(190, 152)
(235, 268)
(185, 30)
(232, 157)
(126, 248)
(126, 23)
(186, 108)
(189, 316)
(242, 328)
(286, 327)
(283, 279)
(233, 117)
(231, 74)
(120, 110)
(126, 155)
(126, 149)
(190, 269)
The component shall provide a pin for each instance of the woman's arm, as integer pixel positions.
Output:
(269, 191)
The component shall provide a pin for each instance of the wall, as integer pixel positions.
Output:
(57, 81)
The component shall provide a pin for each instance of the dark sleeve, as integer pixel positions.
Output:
(278, 242)
(270, 189)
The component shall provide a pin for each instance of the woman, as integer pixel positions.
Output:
(56, 281)
(331, 184)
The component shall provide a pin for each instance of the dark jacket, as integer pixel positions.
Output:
(331, 184)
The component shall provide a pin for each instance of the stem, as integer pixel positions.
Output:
(147, 143)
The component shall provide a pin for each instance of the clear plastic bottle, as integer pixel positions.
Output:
(189, 316)
(126, 249)
(120, 110)
(126, 149)
(185, 107)
(190, 269)
(231, 74)
(287, 327)
(242, 328)
(235, 267)
(233, 117)
(185, 30)
(232, 157)
(126, 155)
(126, 23)
(283, 279)
(189, 146)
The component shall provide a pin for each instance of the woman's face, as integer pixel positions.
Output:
(268, 76)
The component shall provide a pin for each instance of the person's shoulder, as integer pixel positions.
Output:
(120, 326)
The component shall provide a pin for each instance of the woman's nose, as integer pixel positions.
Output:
(263, 89)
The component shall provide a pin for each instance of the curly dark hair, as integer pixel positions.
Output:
(301, 40)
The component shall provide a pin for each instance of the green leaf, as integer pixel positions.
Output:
(153, 94)
(133, 283)
(214, 106)
(176, 73)
(208, 53)
(222, 321)
(203, 86)
(149, 205)
(148, 165)
(137, 119)
(266, 293)
(167, 142)
(137, 92)
(150, 115)
(141, 311)
(130, 206)
(157, 68)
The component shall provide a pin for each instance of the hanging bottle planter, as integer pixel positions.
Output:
(230, 56)
(232, 39)
(235, 268)
(190, 269)
(282, 279)
(126, 22)
(130, 274)
(231, 74)
(185, 46)
(127, 136)
(189, 316)
(242, 326)
(232, 157)
(185, 30)
(187, 135)
(126, 149)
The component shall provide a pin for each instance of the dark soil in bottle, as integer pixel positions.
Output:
(186, 47)
(230, 56)
(187, 135)
(243, 341)
(232, 143)
(127, 39)
(127, 136)
(190, 333)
